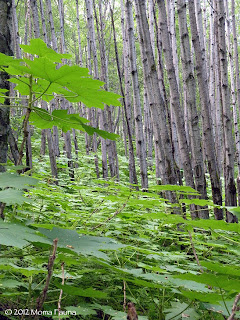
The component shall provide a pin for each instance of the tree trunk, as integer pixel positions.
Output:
(230, 188)
(140, 141)
(175, 96)
(189, 80)
(5, 47)
(158, 111)
(201, 70)
(236, 61)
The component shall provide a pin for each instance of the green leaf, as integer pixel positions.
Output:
(234, 210)
(19, 236)
(169, 187)
(83, 310)
(221, 268)
(14, 180)
(66, 76)
(11, 196)
(76, 291)
(39, 48)
(180, 310)
(199, 202)
(44, 120)
(205, 297)
(86, 245)
(28, 271)
(10, 283)
(22, 85)
(115, 314)
(2, 95)
(218, 281)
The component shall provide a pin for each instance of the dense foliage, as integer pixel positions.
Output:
(109, 243)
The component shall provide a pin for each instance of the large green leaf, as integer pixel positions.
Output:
(12, 196)
(60, 118)
(218, 281)
(169, 187)
(86, 245)
(83, 310)
(38, 47)
(232, 270)
(14, 180)
(27, 271)
(16, 235)
(205, 297)
(181, 310)
(76, 291)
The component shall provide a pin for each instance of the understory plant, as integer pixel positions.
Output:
(83, 249)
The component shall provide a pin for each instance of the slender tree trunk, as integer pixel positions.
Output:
(126, 95)
(201, 69)
(166, 161)
(5, 47)
(140, 141)
(55, 47)
(230, 188)
(236, 61)
(80, 58)
(175, 96)
(189, 80)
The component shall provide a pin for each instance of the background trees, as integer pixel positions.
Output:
(170, 78)
(175, 64)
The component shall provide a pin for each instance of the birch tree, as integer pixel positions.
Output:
(230, 188)
(237, 76)
(5, 47)
(208, 140)
(140, 141)
(189, 80)
(174, 95)
(157, 106)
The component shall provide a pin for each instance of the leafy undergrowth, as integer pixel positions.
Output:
(115, 245)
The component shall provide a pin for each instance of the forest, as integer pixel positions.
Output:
(119, 159)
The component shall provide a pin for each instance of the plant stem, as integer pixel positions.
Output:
(41, 299)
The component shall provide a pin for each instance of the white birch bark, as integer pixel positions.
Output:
(80, 58)
(236, 64)
(140, 141)
(161, 136)
(230, 188)
(201, 69)
(174, 95)
(127, 99)
(190, 84)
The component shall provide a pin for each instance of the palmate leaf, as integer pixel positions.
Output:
(86, 245)
(232, 270)
(14, 180)
(76, 291)
(218, 281)
(82, 87)
(182, 189)
(83, 310)
(181, 310)
(204, 297)
(115, 314)
(45, 69)
(16, 235)
(22, 85)
(38, 47)
(27, 271)
(44, 120)
(11, 196)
